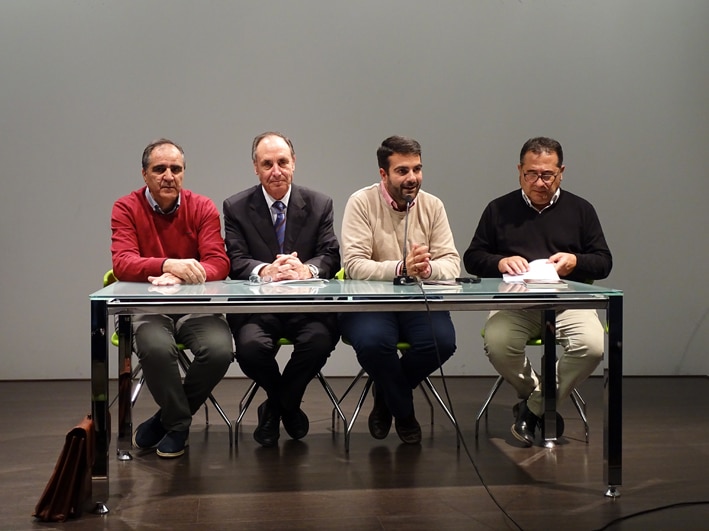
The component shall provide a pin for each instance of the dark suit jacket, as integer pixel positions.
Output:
(251, 239)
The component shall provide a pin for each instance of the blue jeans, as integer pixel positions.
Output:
(374, 336)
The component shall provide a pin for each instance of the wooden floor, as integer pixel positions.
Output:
(381, 485)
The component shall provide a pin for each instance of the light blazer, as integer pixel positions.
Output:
(251, 239)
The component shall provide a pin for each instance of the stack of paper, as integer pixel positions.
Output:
(538, 270)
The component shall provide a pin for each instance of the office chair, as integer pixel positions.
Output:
(137, 373)
(576, 397)
(251, 392)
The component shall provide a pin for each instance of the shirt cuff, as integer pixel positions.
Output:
(256, 270)
(314, 270)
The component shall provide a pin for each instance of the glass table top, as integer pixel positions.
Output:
(327, 289)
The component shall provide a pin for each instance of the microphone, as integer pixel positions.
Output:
(404, 279)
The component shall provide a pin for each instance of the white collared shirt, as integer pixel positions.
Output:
(270, 200)
(553, 200)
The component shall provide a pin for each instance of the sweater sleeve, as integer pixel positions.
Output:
(595, 261)
(128, 263)
(212, 254)
(445, 260)
(358, 232)
(480, 258)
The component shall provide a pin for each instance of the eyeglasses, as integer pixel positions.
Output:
(546, 177)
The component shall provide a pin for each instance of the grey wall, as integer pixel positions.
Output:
(86, 85)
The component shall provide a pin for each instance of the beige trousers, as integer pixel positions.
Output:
(579, 332)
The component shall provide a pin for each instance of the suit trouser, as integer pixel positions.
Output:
(155, 339)
(579, 332)
(374, 336)
(314, 337)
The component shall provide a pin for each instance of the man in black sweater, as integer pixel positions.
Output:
(540, 222)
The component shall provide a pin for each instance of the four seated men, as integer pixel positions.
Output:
(392, 231)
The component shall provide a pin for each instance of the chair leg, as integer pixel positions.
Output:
(430, 404)
(344, 395)
(335, 402)
(580, 404)
(137, 371)
(136, 390)
(355, 413)
(224, 417)
(578, 396)
(486, 404)
(246, 402)
(443, 405)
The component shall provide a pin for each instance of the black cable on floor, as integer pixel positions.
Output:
(475, 466)
(653, 510)
(459, 434)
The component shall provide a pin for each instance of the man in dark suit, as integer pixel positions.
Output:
(280, 231)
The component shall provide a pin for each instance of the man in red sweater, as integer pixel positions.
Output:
(165, 235)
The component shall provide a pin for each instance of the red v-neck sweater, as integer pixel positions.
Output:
(142, 239)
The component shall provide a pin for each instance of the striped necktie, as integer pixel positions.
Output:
(280, 223)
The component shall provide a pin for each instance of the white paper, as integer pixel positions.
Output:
(538, 270)
(301, 281)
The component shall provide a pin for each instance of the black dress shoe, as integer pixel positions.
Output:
(379, 418)
(408, 429)
(268, 430)
(296, 423)
(525, 424)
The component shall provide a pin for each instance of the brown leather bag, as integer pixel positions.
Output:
(69, 487)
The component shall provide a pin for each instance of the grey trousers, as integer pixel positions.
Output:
(155, 339)
(579, 332)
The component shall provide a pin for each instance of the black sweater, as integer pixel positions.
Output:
(509, 227)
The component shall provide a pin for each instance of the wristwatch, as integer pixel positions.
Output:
(313, 270)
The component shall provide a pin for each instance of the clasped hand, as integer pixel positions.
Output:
(418, 261)
(286, 267)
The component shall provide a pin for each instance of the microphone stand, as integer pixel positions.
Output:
(404, 279)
